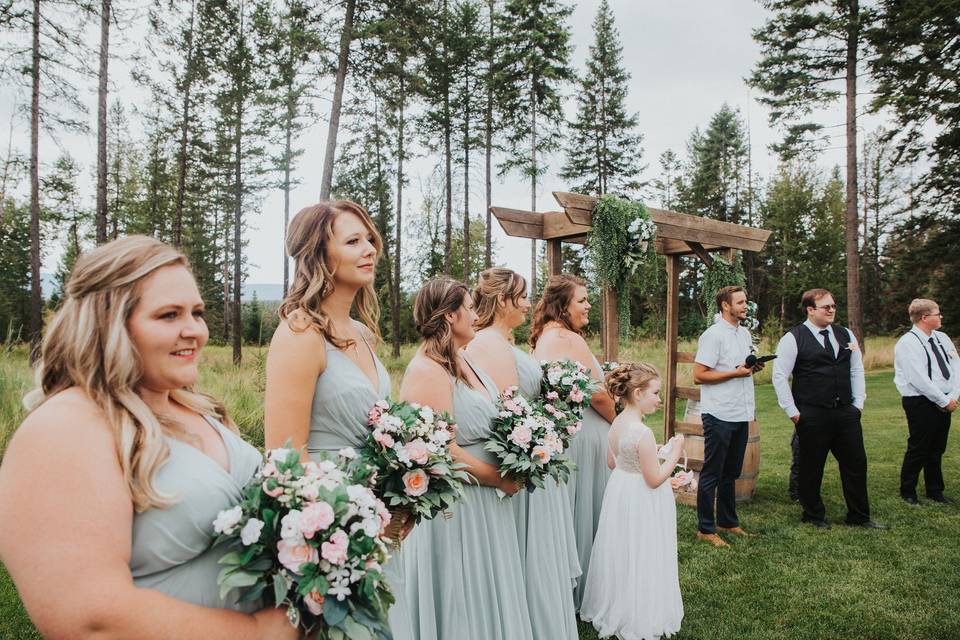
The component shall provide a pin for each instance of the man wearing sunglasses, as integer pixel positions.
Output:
(824, 402)
(928, 377)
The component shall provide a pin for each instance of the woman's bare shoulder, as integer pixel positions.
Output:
(69, 419)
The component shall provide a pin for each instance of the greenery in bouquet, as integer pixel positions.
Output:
(529, 440)
(307, 536)
(409, 446)
(568, 386)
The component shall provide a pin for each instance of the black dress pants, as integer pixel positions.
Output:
(838, 431)
(929, 427)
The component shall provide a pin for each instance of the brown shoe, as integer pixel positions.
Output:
(713, 539)
(737, 531)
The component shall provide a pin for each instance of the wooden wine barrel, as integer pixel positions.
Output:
(692, 429)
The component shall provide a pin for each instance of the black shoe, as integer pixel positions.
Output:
(819, 524)
(942, 499)
(869, 524)
(911, 500)
(795, 497)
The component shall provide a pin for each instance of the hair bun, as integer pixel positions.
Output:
(627, 378)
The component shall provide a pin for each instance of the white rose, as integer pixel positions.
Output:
(290, 527)
(227, 520)
(427, 414)
(348, 453)
(251, 531)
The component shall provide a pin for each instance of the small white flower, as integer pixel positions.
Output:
(251, 531)
(290, 527)
(348, 453)
(227, 520)
(341, 592)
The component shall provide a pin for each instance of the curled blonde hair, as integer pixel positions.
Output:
(491, 284)
(87, 345)
(437, 297)
(627, 378)
(308, 237)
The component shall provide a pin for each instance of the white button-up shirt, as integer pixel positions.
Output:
(787, 358)
(910, 366)
(724, 347)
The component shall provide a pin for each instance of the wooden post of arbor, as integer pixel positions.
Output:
(677, 235)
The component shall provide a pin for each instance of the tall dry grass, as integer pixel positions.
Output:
(242, 388)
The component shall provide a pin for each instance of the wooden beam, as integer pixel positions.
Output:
(689, 428)
(556, 224)
(688, 393)
(698, 249)
(519, 223)
(670, 375)
(567, 199)
(554, 257)
(707, 236)
(686, 357)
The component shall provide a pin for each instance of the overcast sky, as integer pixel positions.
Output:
(686, 57)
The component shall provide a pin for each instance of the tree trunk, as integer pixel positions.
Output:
(288, 134)
(102, 123)
(36, 301)
(343, 61)
(395, 289)
(488, 141)
(533, 190)
(184, 128)
(854, 310)
(466, 181)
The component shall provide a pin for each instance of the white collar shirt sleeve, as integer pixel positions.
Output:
(782, 371)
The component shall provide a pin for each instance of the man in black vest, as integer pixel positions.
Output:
(824, 402)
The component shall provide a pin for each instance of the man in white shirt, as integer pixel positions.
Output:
(824, 402)
(928, 377)
(726, 407)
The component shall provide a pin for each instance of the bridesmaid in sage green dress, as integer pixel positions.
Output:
(323, 376)
(557, 333)
(464, 577)
(544, 517)
(110, 487)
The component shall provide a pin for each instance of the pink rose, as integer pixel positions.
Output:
(415, 483)
(417, 451)
(520, 436)
(292, 555)
(442, 425)
(316, 517)
(553, 395)
(510, 405)
(277, 490)
(574, 429)
(314, 602)
(540, 454)
(576, 395)
(549, 408)
(269, 470)
(383, 438)
(335, 551)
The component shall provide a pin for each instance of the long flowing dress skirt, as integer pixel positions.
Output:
(464, 576)
(588, 450)
(548, 551)
(633, 589)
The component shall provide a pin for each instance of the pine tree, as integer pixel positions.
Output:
(918, 47)
(718, 168)
(807, 47)
(603, 154)
(534, 68)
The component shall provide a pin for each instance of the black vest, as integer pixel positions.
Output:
(819, 379)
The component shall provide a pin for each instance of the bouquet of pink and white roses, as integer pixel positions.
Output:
(308, 538)
(682, 479)
(409, 446)
(529, 440)
(567, 386)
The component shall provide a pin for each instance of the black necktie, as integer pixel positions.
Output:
(826, 342)
(940, 361)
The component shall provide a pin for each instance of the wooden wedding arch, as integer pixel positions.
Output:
(677, 234)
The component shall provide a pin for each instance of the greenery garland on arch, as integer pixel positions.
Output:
(620, 244)
(718, 275)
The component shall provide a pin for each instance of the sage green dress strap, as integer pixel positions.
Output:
(170, 547)
(548, 548)
(588, 450)
(466, 580)
(342, 399)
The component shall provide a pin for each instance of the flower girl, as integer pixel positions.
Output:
(633, 590)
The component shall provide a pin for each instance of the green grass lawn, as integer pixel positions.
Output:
(792, 582)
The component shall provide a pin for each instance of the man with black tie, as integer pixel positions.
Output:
(928, 377)
(824, 402)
